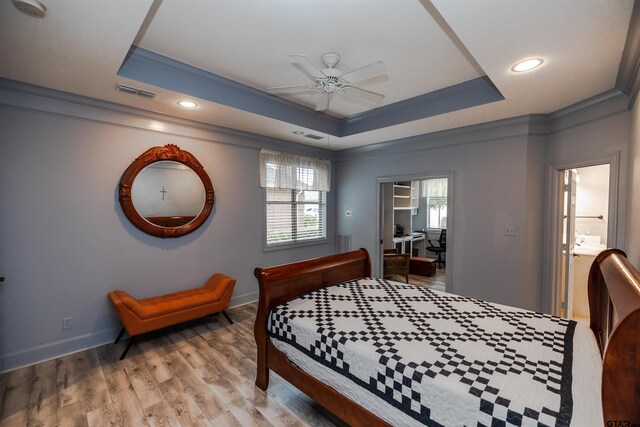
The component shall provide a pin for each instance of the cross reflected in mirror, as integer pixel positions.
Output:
(163, 191)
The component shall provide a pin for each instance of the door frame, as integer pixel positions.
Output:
(450, 226)
(553, 220)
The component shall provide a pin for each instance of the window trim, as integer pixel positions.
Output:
(296, 243)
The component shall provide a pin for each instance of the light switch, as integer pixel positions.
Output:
(510, 231)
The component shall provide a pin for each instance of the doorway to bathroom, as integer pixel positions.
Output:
(585, 232)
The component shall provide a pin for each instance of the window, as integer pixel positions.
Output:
(296, 190)
(295, 215)
(435, 191)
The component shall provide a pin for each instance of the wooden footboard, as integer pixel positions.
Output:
(286, 282)
(614, 305)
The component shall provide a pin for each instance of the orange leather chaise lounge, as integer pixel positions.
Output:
(139, 316)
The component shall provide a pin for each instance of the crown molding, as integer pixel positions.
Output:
(468, 94)
(158, 70)
(490, 131)
(628, 80)
(597, 107)
(606, 104)
(50, 101)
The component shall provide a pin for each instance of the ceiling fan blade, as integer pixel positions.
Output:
(368, 71)
(302, 63)
(367, 95)
(323, 101)
(288, 89)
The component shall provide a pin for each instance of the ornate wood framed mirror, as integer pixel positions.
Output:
(166, 192)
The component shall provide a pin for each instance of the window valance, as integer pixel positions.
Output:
(288, 171)
(435, 187)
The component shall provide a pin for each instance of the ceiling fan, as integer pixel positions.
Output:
(330, 80)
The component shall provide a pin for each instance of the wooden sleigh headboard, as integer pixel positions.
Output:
(614, 303)
(614, 308)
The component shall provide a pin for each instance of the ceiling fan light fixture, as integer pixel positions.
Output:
(527, 65)
(331, 81)
(187, 104)
(33, 8)
(330, 59)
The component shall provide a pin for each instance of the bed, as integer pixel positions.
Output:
(429, 358)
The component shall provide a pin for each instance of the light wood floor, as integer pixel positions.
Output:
(437, 282)
(199, 373)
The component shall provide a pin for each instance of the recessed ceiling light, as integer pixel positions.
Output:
(527, 64)
(298, 132)
(187, 104)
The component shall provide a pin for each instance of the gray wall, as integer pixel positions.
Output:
(596, 133)
(633, 216)
(593, 137)
(492, 167)
(66, 243)
(501, 178)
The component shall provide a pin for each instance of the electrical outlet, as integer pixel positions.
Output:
(510, 231)
(66, 323)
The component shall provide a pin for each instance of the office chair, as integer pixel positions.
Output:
(439, 246)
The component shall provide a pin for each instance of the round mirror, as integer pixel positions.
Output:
(166, 192)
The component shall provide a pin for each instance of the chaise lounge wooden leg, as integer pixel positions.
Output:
(227, 316)
(119, 336)
(126, 350)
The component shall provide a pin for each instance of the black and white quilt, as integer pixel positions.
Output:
(436, 359)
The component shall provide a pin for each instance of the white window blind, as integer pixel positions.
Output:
(295, 197)
(295, 215)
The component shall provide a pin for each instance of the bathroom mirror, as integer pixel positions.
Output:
(166, 192)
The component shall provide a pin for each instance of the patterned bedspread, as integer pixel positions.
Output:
(433, 358)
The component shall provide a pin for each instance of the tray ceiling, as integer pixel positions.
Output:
(429, 47)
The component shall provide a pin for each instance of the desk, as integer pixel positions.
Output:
(406, 244)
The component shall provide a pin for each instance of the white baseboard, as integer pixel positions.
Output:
(41, 353)
(243, 299)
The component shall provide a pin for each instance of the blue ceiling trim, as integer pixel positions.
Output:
(457, 97)
(151, 68)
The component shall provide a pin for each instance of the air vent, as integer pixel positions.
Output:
(146, 94)
(343, 243)
(134, 91)
(312, 136)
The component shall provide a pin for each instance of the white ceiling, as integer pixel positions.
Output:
(427, 45)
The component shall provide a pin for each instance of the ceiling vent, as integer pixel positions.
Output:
(312, 136)
(134, 91)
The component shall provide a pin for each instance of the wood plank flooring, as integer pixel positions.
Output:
(437, 282)
(200, 373)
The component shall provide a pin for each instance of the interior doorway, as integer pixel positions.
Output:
(414, 222)
(585, 231)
